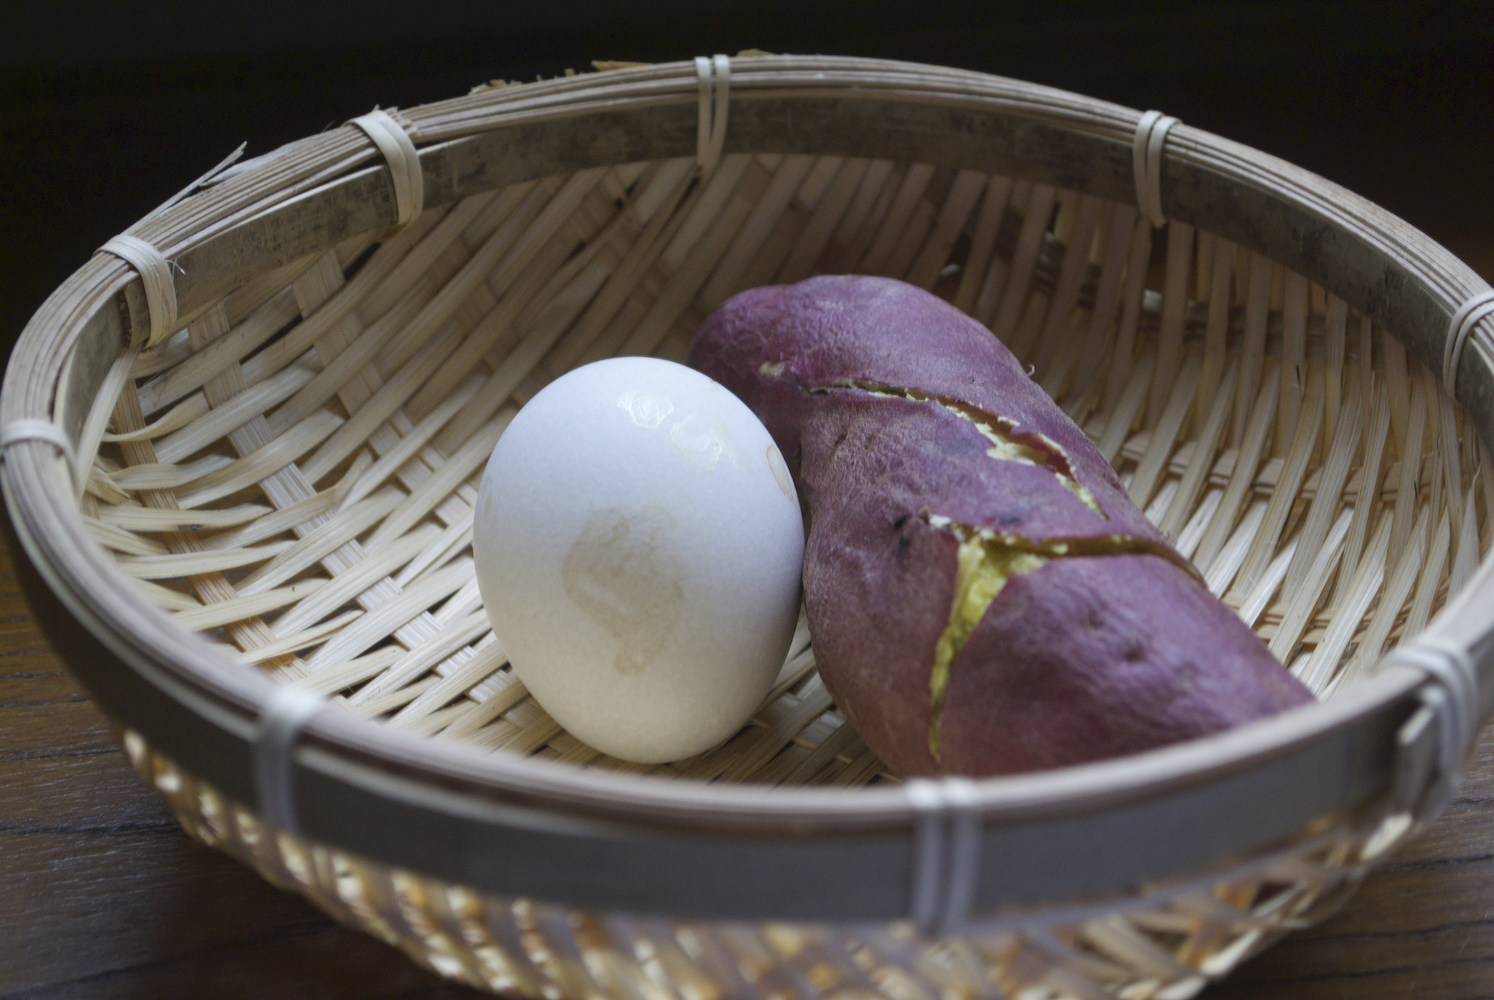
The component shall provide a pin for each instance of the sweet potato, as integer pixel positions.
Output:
(983, 596)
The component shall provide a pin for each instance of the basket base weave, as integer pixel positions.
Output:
(1166, 943)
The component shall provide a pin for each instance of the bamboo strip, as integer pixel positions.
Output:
(260, 463)
(258, 327)
(1115, 243)
(1428, 577)
(179, 416)
(820, 228)
(909, 193)
(456, 469)
(427, 320)
(354, 581)
(1224, 566)
(150, 519)
(771, 204)
(446, 546)
(811, 706)
(685, 282)
(423, 657)
(1076, 257)
(974, 279)
(465, 601)
(1164, 434)
(1465, 562)
(1303, 440)
(468, 675)
(1056, 381)
(210, 616)
(857, 227)
(121, 540)
(915, 231)
(1294, 372)
(101, 487)
(379, 407)
(1266, 584)
(1335, 332)
(210, 587)
(678, 206)
(1368, 498)
(1406, 492)
(1325, 503)
(389, 615)
(1303, 598)
(1446, 436)
(465, 226)
(339, 678)
(164, 567)
(1204, 449)
(1398, 381)
(534, 735)
(272, 523)
(1035, 224)
(300, 641)
(519, 278)
(546, 330)
(1257, 311)
(286, 488)
(160, 476)
(245, 406)
(1174, 308)
(1398, 587)
(966, 190)
(1030, 326)
(1361, 592)
(167, 354)
(1217, 294)
(349, 523)
(1192, 533)
(1126, 407)
(1123, 355)
(409, 444)
(510, 693)
(171, 600)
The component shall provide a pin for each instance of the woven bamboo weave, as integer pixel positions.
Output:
(292, 474)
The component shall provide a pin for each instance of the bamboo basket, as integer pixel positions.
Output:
(249, 476)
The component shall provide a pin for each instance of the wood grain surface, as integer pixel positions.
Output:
(102, 895)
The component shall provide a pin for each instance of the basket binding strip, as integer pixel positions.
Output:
(1261, 422)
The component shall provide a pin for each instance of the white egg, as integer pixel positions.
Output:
(639, 544)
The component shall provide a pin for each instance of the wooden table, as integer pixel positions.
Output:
(102, 895)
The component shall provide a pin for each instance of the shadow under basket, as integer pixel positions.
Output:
(253, 472)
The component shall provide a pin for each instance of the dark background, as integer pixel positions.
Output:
(107, 108)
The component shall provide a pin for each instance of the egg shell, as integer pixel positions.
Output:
(639, 544)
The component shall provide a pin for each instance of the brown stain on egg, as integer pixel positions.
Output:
(620, 573)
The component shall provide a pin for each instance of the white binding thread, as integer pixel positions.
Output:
(404, 162)
(1452, 695)
(155, 277)
(1146, 162)
(32, 429)
(713, 81)
(946, 854)
(1458, 331)
(284, 715)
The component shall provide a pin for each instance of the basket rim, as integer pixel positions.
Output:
(183, 669)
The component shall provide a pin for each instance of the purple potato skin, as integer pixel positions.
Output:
(1086, 657)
